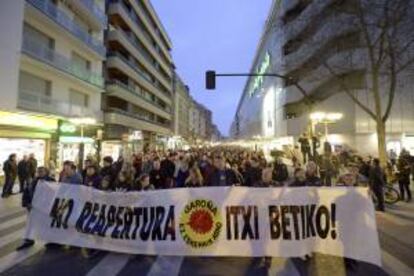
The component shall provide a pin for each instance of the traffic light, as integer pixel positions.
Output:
(210, 80)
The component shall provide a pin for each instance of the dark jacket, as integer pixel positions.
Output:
(226, 177)
(31, 167)
(157, 179)
(28, 193)
(268, 184)
(92, 181)
(313, 181)
(182, 177)
(168, 168)
(404, 171)
(376, 177)
(10, 168)
(252, 176)
(108, 171)
(280, 172)
(298, 183)
(22, 169)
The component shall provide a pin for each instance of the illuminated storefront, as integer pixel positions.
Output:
(69, 147)
(72, 135)
(25, 134)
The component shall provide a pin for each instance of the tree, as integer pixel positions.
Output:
(387, 34)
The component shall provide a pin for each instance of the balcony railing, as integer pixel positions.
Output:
(95, 10)
(31, 100)
(136, 93)
(139, 47)
(131, 64)
(136, 116)
(62, 19)
(43, 53)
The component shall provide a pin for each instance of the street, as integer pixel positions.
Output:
(395, 226)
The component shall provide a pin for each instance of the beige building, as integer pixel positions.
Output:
(183, 102)
(138, 102)
(51, 55)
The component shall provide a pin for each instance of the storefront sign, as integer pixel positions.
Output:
(67, 128)
(23, 120)
(136, 135)
(210, 221)
(75, 139)
(262, 69)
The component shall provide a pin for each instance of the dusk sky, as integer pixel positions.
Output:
(214, 34)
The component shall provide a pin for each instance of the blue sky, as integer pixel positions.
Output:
(214, 34)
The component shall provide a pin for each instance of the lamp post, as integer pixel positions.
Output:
(325, 119)
(82, 122)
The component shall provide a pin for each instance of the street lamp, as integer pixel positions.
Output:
(325, 118)
(82, 122)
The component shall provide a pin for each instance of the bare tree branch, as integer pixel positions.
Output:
(393, 82)
(405, 65)
(350, 93)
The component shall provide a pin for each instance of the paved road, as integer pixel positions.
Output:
(396, 236)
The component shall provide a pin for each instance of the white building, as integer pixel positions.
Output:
(51, 55)
(320, 46)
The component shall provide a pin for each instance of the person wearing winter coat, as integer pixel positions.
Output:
(222, 176)
(42, 174)
(280, 172)
(22, 173)
(92, 178)
(10, 174)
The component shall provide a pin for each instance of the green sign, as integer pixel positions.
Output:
(261, 69)
(67, 128)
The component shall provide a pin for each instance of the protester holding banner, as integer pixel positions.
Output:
(92, 178)
(42, 174)
(69, 174)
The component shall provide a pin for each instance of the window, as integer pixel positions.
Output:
(32, 35)
(34, 85)
(80, 62)
(78, 98)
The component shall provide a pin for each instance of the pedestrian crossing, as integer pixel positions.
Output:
(38, 259)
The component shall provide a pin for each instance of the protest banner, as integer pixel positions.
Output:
(209, 221)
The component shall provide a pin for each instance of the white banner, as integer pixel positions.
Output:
(211, 221)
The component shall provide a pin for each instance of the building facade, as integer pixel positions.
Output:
(318, 45)
(182, 109)
(138, 103)
(193, 122)
(50, 73)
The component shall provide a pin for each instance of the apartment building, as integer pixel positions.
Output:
(319, 44)
(182, 109)
(51, 56)
(139, 101)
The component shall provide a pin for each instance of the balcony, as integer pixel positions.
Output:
(117, 88)
(30, 100)
(138, 24)
(128, 67)
(136, 49)
(63, 20)
(91, 12)
(120, 117)
(40, 52)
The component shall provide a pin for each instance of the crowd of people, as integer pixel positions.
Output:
(229, 166)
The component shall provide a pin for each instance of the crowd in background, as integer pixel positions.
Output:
(220, 166)
(216, 167)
